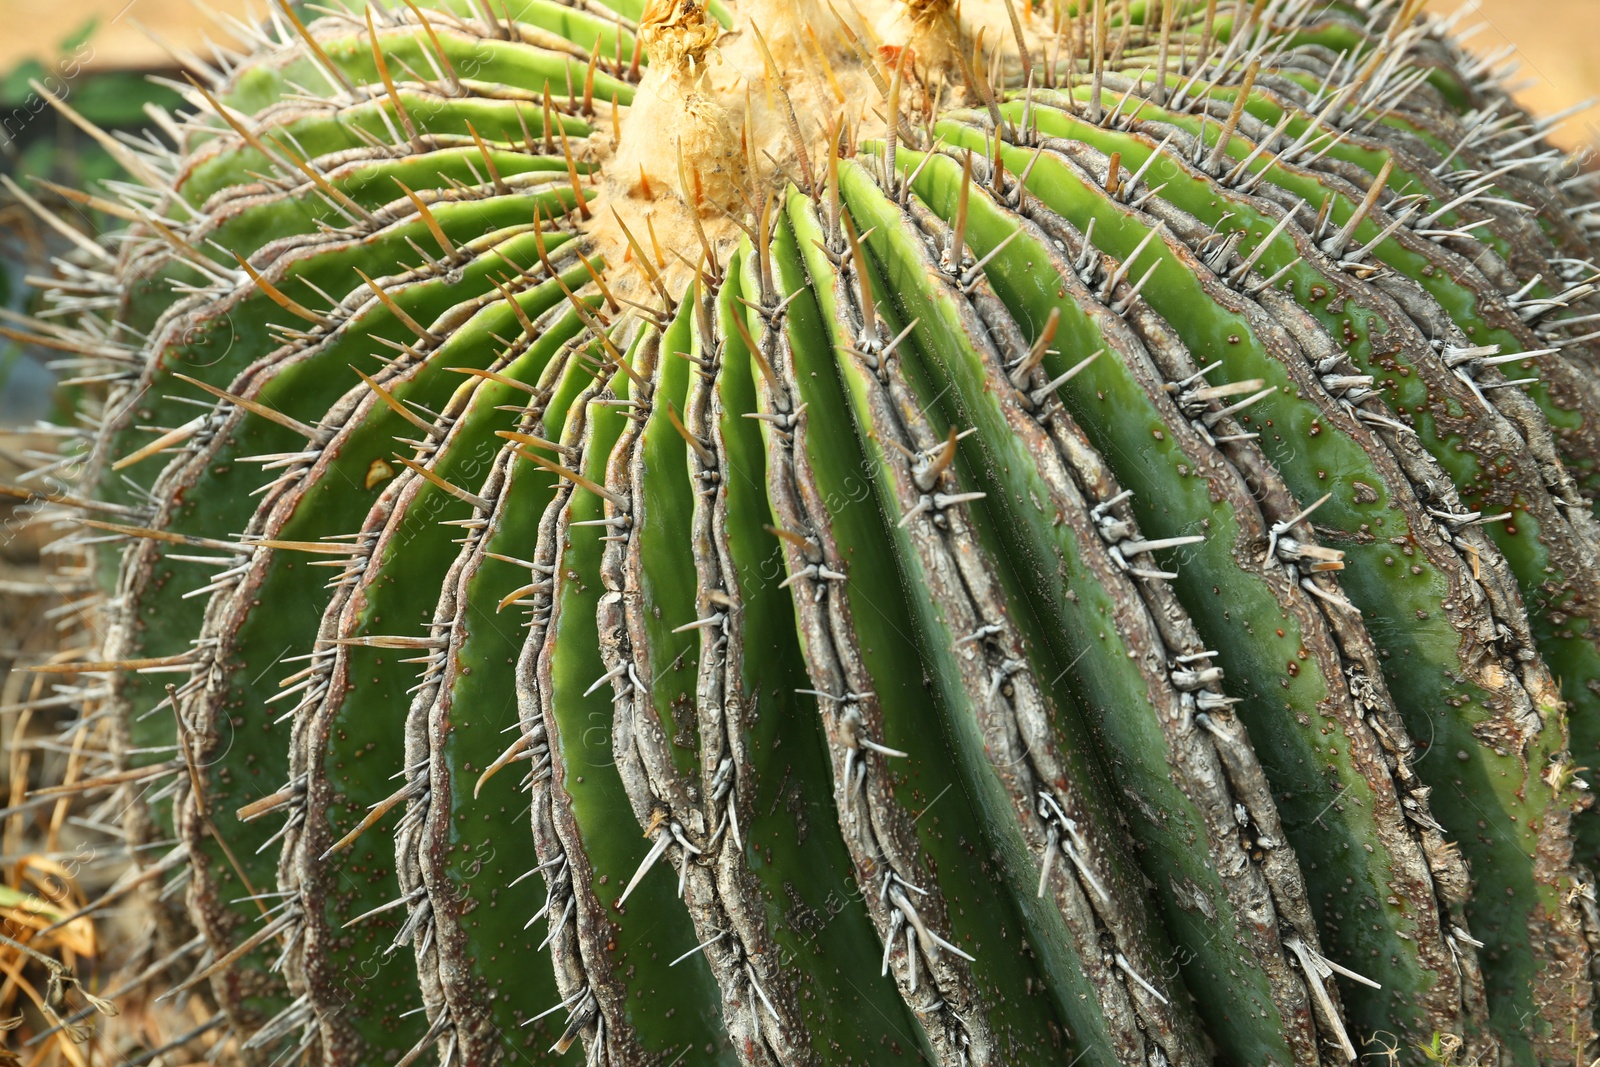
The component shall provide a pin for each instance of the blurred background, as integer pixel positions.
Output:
(100, 54)
(1555, 43)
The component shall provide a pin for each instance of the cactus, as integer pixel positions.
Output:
(791, 533)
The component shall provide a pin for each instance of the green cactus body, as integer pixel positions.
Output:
(989, 682)
(409, 548)
(808, 888)
(1166, 508)
(1476, 449)
(1529, 809)
(241, 698)
(861, 650)
(588, 795)
(482, 889)
(779, 535)
(1098, 613)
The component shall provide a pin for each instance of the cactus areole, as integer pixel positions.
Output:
(805, 533)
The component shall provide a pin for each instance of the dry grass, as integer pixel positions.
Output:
(55, 964)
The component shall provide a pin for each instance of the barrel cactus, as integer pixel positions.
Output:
(850, 533)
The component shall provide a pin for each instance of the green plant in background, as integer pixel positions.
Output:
(41, 145)
(787, 534)
(23, 106)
